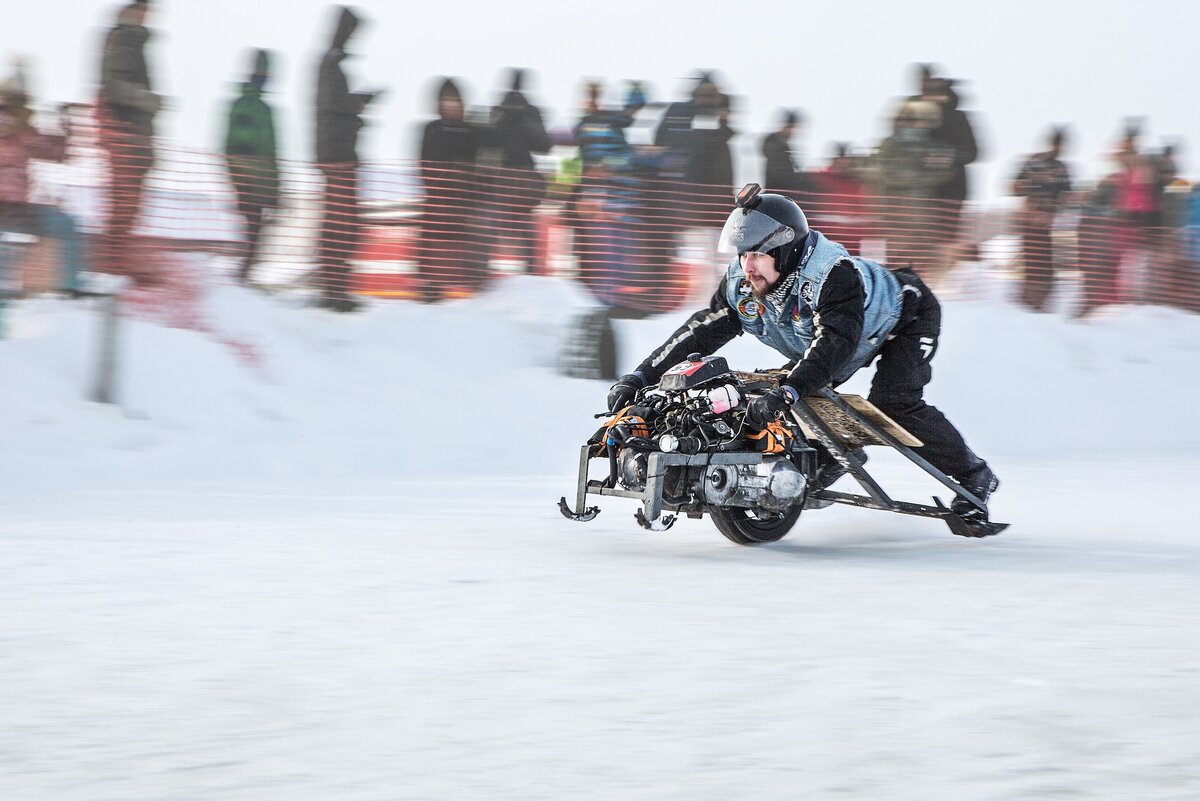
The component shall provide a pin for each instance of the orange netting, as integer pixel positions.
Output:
(636, 242)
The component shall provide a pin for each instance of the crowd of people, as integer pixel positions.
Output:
(1132, 236)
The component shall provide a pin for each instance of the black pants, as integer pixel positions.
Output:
(339, 228)
(1037, 283)
(902, 372)
(254, 212)
(516, 232)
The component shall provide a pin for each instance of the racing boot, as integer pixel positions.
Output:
(830, 472)
(980, 482)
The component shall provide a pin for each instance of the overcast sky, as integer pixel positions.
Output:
(1025, 63)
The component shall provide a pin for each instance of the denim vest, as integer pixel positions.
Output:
(785, 320)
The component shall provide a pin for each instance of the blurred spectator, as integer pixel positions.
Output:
(1043, 182)
(906, 174)
(840, 207)
(1138, 204)
(1193, 231)
(450, 253)
(251, 156)
(696, 135)
(781, 172)
(1176, 274)
(605, 208)
(20, 143)
(1166, 171)
(127, 108)
(515, 133)
(600, 132)
(338, 119)
(954, 132)
(1095, 243)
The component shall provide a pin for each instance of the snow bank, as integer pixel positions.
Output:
(402, 390)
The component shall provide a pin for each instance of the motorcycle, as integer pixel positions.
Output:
(684, 446)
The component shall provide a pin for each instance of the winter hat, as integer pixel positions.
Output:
(637, 95)
(448, 90)
(262, 63)
(15, 86)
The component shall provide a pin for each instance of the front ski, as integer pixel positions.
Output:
(589, 512)
(964, 528)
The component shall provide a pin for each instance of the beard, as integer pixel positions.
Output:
(760, 291)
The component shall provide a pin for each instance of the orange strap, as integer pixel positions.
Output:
(777, 436)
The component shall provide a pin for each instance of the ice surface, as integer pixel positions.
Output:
(339, 572)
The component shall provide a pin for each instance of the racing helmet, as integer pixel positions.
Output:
(762, 222)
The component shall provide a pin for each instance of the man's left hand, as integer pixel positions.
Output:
(767, 407)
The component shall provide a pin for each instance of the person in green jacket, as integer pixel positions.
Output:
(250, 155)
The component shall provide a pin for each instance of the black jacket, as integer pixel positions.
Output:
(780, 173)
(698, 142)
(839, 322)
(956, 132)
(517, 132)
(338, 111)
(449, 150)
(125, 91)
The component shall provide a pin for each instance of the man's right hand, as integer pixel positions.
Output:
(621, 393)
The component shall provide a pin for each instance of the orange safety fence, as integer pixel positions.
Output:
(638, 243)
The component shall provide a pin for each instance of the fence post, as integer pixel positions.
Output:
(106, 364)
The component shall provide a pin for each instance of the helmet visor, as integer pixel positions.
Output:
(750, 231)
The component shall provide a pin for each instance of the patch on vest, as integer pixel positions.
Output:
(749, 308)
(743, 287)
(807, 292)
(796, 315)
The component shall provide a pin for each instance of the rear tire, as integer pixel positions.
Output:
(742, 527)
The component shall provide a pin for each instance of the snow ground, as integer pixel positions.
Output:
(294, 581)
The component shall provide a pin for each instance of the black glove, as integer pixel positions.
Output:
(767, 407)
(622, 392)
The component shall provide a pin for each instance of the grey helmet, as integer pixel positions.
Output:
(766, 223)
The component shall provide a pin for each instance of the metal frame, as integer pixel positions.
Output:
(878, 498)
(875, 497)
(656, 472)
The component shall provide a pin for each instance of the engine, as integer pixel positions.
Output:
(698, 411)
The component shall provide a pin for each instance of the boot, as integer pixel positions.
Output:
(980, 482)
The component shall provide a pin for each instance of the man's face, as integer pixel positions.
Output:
(761, 272)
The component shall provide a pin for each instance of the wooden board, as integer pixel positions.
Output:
(849, 433)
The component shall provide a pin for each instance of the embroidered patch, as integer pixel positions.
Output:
(796, 315)
(749, 308)
(744, 287)
(807, 291)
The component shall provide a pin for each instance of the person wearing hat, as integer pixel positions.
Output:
(450, 255)
(338, 120)
(251, 157)
(127, 106)
(23, 141)
(695, 135)
(905, 174)
(515, 132)
(830, 314)
(780, 171)
(1043, 181)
